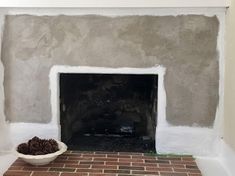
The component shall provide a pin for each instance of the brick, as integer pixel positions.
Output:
(188, 159)
(187, 170)
(191, 167)
(74, 174)
(90, 170)
(157, 161)
(118, 156)
(77, 166)
(131, 167)
(105, 159)
(182, 166)
(35, 168)
(184, 162)
(170, 158)
(159, 169)
(66, 161)
(131, 160)
(102, 174)
(145, 164)
(16, 168)
(55, 165)
(58, 169)
(173, 174)
(46, 174)
(17, 173)
(62, 157)
(80, 158)
(83, 152)
(101, 152)
(143, 157)
(91, 162)
(131, 153)
(104, 166)
(117, 171)
(145, 173)
(118, 163)
(72, 155)
(94, 155)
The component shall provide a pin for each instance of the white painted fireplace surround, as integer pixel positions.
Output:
(169, 139)
(166, 134)
(57, 70)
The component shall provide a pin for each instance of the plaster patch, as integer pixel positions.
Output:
(5, 143)
(192, 75)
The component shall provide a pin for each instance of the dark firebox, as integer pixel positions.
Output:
(111, 112)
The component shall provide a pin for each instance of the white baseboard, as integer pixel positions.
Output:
(187, 140)
(179, 140)
(5, 137)
(227, 158)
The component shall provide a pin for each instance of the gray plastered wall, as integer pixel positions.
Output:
(185, 45)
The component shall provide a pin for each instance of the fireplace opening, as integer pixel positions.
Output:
(108, 112)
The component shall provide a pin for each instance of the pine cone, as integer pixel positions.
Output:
(35, 138)
(47, 147)
(23, 148)
(34, 146)
(37, 146)
(54, 144)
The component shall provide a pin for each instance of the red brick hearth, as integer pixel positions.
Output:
(75, 163)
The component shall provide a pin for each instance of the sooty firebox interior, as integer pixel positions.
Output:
(111, 112)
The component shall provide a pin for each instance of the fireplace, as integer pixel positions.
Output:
(184, 50)
(115, 112)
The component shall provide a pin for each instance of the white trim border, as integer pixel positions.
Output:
(58, 69)
(113, 12)
(113, 3)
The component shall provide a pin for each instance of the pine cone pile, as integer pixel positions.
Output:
(37, 146)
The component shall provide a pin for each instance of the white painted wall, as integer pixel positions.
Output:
(170, 139)
(114, 3)
(229, 114)
(227, 156)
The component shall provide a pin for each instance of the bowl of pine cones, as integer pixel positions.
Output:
(40, 151)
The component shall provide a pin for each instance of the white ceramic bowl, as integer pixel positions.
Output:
(39, 160)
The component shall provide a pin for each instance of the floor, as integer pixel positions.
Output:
(74, 163)
(211, 167)
(6, 159)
